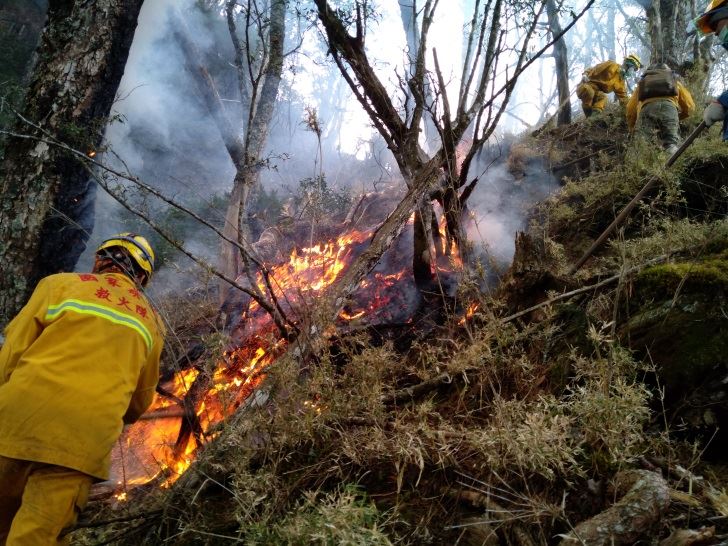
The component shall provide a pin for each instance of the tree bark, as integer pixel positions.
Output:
(654, 29)
(46, 199)
(668, 19)
(562, 64)
(408, 14)
(701, 53)
(665, 22)
(260, 110)
(646, 500)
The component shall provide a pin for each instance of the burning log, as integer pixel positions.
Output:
(162, 414)
(190, 420)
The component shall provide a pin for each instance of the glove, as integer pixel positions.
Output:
(713, 113)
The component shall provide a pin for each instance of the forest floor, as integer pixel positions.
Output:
(592, 419)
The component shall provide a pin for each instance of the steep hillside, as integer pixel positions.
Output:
(560, 406)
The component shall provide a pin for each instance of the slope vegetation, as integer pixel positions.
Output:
(566, 408)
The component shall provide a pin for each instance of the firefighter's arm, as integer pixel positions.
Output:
(23, 330)
(144, 393)
(631, 113)
(620, 87)
(686, 104)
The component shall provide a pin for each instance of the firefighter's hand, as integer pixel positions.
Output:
(713, 113)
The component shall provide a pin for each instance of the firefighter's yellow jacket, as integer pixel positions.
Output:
(79, 361)
(683, 101)
(608, 77)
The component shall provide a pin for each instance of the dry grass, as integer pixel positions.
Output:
(282, 473)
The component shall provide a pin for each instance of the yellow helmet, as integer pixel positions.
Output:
(634, 60)
(138, 248)
(704, 23)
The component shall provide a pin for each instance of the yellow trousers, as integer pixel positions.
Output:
(591, 98)
(39, 502)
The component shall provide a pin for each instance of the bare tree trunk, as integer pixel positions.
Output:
(562, 64)
(654, 30)
(408, 14)
(46, 199)
(452, 204)
(668, 21)
(610, 33)
(422, 259)
(261, 109)
(701, 50)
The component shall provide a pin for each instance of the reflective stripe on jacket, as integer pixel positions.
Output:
(683, 102)
(608, 77)
(79, 361)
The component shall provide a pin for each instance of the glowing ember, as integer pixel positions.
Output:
(346, 316)
(469, 312)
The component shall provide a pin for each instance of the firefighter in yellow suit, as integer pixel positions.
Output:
(659, 116)
(606, 77)
(79, 361)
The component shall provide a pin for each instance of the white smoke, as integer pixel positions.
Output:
(163, 133)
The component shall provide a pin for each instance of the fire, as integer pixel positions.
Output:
(316, 267)
(346, 316)
(469, 313)
(163, 446)
(448, 247)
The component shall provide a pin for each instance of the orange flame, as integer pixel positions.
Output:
(469, 312)
(164, 453)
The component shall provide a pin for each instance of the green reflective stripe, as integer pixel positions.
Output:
(112, 315)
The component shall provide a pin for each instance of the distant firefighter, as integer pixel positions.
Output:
(657, 105)
(606, 77)
(715, 21)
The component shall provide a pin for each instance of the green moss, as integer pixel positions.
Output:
(680, 321)
(687, 339)
(707, 276)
